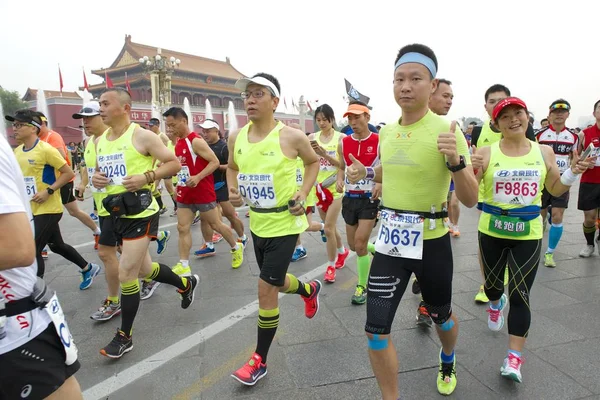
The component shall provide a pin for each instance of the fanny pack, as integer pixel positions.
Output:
(436, 215)
(127, 203)
(526, 213)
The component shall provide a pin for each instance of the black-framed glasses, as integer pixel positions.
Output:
(19, 125)
(257, 94)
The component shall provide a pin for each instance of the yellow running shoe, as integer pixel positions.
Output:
(446, 381)
(180, 270)
(237, 256)
(481, 297)
(549, 260)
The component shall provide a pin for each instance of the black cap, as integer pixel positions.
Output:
(26, 116)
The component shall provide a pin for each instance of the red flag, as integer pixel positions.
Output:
(85, 84)
(308, 104)
(60, 79)
(127, 83)
(107, 80)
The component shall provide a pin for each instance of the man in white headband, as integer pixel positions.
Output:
(420, 152)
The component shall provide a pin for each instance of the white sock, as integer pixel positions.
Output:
(322, 226)
(456, 227)
(331, 264)
(185, 263)
(243, 238)
(234, 248)
(341, 250)
(299, 247)
(210, 245)
(97, 232)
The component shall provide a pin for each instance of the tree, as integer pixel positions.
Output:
(11, 102)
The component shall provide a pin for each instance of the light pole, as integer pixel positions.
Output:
(302, 111)
(160, 69)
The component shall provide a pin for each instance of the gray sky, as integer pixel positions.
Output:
(541, 50)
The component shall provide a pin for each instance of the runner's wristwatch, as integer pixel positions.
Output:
(50, 190)
(458, 167)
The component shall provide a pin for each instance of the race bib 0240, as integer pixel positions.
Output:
(258, 190)
(400, 235)
(113, 166)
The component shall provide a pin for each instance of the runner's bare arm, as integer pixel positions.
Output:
(202, 149)
(232, 168)
(147, 142)
(18, 246)
(553, 181)
(308, 156)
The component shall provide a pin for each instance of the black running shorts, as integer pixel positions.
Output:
(273, 257)
(36, 369)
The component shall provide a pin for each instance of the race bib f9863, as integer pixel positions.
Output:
(516, 186)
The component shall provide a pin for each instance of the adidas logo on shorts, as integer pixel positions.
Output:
(394, 252)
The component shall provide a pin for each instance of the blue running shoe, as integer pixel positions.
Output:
(87, 277)
(161, 241)
(299, 254)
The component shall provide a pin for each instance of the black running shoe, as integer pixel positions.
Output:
(187, 295)
(416, 288)
(120, 345)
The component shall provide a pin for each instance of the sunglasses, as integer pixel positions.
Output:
(88, 110)
(560, 106)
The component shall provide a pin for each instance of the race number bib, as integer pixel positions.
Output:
(113, 165)
(91, 172)
(400, 235)
(325, 164)
(183, 175)
(258, 190)
(596, 153)
(57, 316)
(563, 164)
(299, 178)
(517, 186)
(509, 226)
(30, 187)
(364, 185)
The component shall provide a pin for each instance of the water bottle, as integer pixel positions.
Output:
(3, 318)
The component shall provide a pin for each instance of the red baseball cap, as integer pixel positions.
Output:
(509, 101)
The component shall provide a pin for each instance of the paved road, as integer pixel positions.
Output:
(189, 354)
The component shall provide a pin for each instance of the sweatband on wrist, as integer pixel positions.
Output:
(568, 178)
(418, 58)
(370, 173)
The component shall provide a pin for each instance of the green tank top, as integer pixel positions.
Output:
(267, 179)
(90, 161)
(311, 199)
(119, 158)
(509, 183)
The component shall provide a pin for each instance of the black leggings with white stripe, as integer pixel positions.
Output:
(522, 258)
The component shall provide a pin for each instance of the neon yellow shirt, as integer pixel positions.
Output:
(509, 183)
(267, 179)
(119, 158)
(415, 175)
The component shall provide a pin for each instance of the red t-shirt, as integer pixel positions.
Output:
(592, 135)
(192, 164)
(367, 152)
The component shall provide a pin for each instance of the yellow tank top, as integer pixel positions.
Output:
(509, 183)
(487, 137)
(325, 168)
(311, 199)
(267, 179)
(90, 162)
(119, 158)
